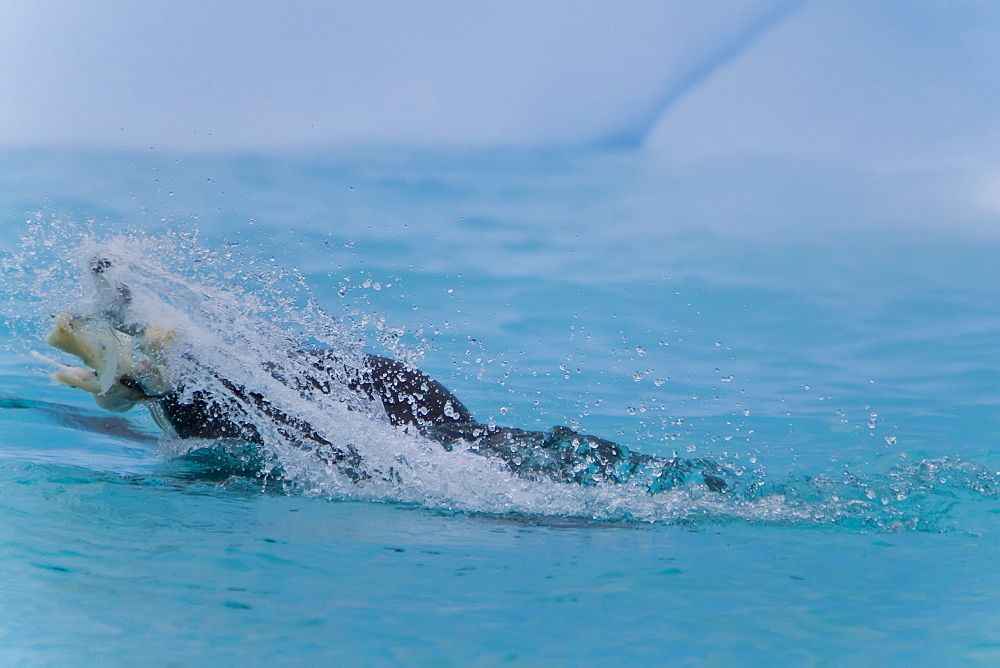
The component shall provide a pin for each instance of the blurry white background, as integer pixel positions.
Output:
(238, 74)
(900, 93)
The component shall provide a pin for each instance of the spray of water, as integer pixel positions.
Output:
(233, 319)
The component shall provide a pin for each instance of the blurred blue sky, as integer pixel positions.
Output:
(895, 87)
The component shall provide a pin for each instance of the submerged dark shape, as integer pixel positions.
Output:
(74, 418)
(410, 398)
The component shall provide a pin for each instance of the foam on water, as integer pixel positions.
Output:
(238, 316)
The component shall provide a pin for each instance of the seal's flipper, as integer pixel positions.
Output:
(78, 377)
(67, 336)
(119, 398)
(97, 344)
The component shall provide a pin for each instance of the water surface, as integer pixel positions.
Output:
(852, 375)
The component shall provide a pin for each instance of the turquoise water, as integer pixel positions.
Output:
(847, 368)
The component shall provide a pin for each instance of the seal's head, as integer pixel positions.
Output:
(113, 296)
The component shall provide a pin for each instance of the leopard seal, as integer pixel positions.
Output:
(128, 363)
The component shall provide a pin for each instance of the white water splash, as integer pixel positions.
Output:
(240, 318)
